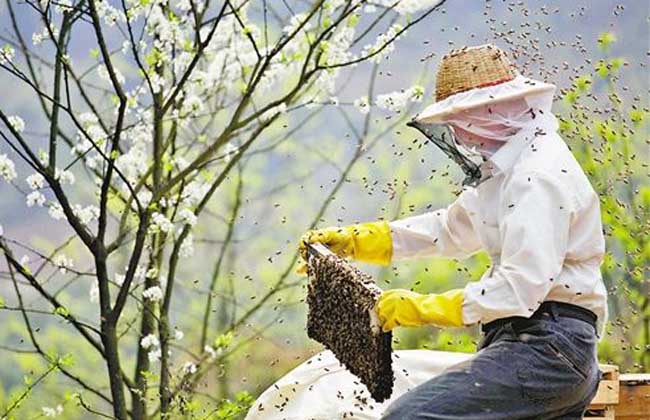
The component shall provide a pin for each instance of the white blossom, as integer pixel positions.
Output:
(212, 352)
(2, 231)
(149, 341)
(154, 355)
(63, 5)
(64, 263)
(119, 279)
(140, 273)
(35, 198)
(7, 168)
(92, 133)
(338, 48)
(43, 157)
(93, 160)
(230, 150)
(35, 181)
(187, 247)
(64, 177)
(384, 42)
(105, 75)
(110, 14)
(151, 273)
(56, 211)
(178, 334)
(7, 54)
(413, 6)
(24, 261)
(188, 217)
(271, 112)
(188, 368)
(17, 123)
(183, 5)
(37, 38)
(179, 162)
(144, 196)
(370, 8)
(154, 294)
(362, 105)
(325, 85)
(336, 51)
(86, 214)
(87, 119)
(126, 47)
(397, 101)
(157, 82)
(52, 412)
(94, 293)
(161, 222)
(194, 192)
(192, 104)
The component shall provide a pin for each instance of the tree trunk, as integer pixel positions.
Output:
(109, 338)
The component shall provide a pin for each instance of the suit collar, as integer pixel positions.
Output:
(504, 158)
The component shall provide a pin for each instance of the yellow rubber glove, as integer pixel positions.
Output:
(400, 307)
(369, 242)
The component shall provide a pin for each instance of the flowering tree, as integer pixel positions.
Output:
(135, 145)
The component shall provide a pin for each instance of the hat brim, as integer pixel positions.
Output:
(436, 112)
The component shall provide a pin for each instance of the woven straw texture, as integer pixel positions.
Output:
(472, 67)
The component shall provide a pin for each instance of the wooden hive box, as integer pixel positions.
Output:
(604, 403)
(634, 397)
(625, 396)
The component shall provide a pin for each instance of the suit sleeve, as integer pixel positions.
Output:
(446, 232)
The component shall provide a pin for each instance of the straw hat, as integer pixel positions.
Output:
(475, 76)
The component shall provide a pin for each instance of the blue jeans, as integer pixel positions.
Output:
(538, 369)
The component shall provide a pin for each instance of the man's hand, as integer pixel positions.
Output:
(400, 307)
(337, 239)
(370, 242)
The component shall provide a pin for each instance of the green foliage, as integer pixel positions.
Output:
(612, 149)
(448, 341)
(62, 311)
(66, 361)
(605, 40)
(223, 340)
(353, 20)
(234, 409)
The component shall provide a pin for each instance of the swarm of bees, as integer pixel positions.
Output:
(341, 300)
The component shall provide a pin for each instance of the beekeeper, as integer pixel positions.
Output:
(542, 305)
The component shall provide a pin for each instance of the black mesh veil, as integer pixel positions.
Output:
(442, 136)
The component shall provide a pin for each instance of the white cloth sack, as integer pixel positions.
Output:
(322, 389)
